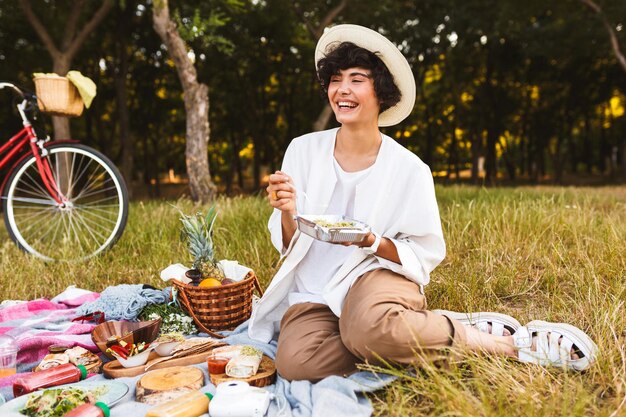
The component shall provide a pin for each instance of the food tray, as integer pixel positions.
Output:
(355, 233)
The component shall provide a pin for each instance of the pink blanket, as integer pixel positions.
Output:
(38, 324)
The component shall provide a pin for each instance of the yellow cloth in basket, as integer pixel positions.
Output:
(86, 88)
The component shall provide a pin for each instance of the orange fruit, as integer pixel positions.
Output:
(210, 282)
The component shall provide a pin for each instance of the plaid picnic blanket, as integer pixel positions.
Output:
(38, 324)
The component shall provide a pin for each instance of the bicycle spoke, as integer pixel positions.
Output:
(99, 190)
(31, 214)
(81, 173)
(30, 207)
(109, 208)
(95, 202)
(100, 217)
(38, 185)
(27, 216)
(34, 201)
(51, 225)
(31, 191)
(90, 229)
(75, 232)
(91, 179)
(34, 225)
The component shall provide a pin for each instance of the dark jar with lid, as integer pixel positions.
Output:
(195, 276)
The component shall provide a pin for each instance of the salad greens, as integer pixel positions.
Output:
(59, 401)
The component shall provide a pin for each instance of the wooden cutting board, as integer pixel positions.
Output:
(114, 369)
(266, 375)
(163, 385)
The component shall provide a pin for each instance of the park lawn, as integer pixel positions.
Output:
(556, 254)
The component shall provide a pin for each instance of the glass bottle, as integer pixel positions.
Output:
(59, 375)
(192, 404)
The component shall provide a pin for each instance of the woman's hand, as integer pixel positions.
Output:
(281, 193)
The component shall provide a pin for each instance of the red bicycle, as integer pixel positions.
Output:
(61, 200)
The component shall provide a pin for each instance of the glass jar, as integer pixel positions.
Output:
(8, 356)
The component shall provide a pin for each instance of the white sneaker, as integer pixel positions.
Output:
(487, 322)
(554, 345)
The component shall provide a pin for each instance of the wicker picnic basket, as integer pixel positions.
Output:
(58, 96)
(219, 308)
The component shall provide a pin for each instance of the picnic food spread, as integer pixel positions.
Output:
(162, 355)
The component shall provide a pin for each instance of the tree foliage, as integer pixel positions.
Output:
(524, 91)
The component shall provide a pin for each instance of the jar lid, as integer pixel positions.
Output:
(106, 411)
(8, 344)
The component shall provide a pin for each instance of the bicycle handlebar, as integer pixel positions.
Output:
(13, 87)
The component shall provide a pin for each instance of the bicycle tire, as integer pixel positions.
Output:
(93, 219)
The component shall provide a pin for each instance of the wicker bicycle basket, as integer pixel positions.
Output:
(58, 96)
(219, 308)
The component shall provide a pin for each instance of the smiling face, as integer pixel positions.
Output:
(352, 97)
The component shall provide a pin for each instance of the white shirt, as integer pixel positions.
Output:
(396, 199)
(310, 277)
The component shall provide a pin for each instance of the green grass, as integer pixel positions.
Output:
(556, 254)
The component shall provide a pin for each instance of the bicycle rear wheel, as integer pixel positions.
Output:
(92, 219)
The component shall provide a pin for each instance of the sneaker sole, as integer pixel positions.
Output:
(470, 319)
(582, 341)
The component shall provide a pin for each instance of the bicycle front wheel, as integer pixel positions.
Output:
(90, 221)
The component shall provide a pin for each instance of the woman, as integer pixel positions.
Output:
(336, 306)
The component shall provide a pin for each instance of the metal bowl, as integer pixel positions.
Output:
(355, 233)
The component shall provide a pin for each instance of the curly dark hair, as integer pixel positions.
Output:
(348, 55)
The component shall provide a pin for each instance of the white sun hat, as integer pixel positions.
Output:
(390, 55)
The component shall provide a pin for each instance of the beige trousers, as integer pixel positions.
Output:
(384, 316)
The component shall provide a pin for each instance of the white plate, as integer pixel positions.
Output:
(117, 391)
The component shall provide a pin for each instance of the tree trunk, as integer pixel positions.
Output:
(196, 150)
(121, 90)
(73, 40)
(475, 151)
(324, 117)
(316, 32)
(610, 29)
(587, 143)
(61, 65)
(196, 97)
(493, 130)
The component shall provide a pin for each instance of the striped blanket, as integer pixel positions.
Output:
(38, 324)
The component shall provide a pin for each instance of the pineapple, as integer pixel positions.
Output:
(198, 232)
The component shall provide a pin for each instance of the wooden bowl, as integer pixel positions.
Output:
(129, 332)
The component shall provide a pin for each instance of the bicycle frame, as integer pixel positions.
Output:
(18, 143)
